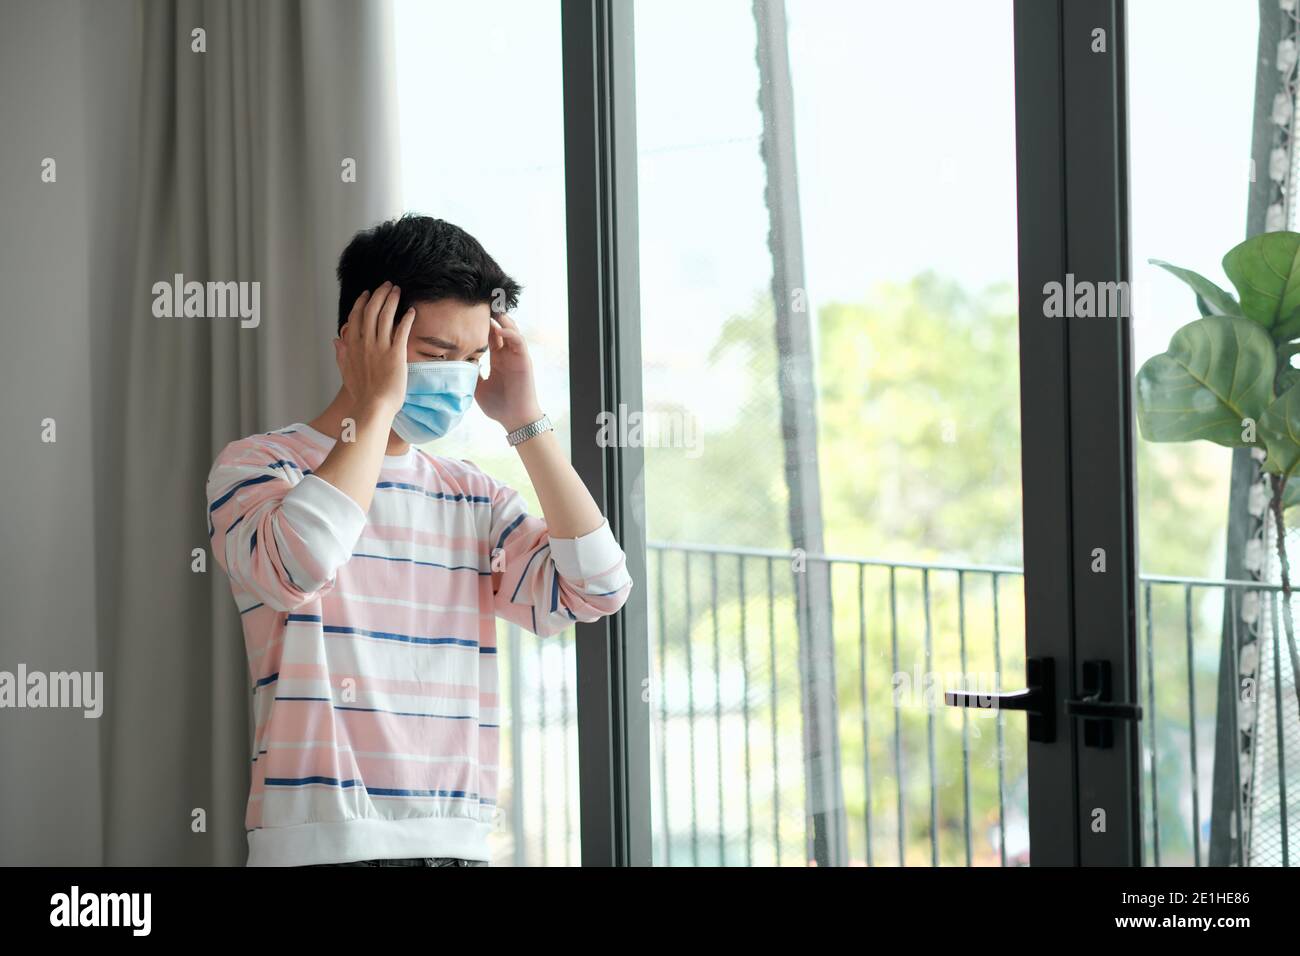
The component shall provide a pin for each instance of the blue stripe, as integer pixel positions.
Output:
(526, 566)
(253, 608)
(403, 713)
(427, 564)
(391, 792)
(380, 710)
(404, 486)
(305, 781)
(373, 791)
(555, 588)
(266, 680)
(243, 484)
(252, 545)
(285, 461)
(405, 638)
(249, 481)
(514, 524)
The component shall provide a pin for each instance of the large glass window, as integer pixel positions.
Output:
(798, 706)
(481, 119)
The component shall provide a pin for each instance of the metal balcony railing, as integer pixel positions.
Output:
(922, 784)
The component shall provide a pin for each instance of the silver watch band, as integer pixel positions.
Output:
(531, 430)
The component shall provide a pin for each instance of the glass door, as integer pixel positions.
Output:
(831, 432)
(861, 429)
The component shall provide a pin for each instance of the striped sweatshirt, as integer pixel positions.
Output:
(371, 642)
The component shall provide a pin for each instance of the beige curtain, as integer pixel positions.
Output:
(221, 166)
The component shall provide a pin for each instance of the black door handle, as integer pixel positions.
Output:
(1037, 699)
(1097, 709)
(1103, 710)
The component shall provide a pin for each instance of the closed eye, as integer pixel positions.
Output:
(433, 358)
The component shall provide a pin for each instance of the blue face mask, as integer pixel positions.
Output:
(438, 394)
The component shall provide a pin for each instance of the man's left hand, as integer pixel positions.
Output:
(508, 395)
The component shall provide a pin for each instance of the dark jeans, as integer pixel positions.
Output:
(410, 861)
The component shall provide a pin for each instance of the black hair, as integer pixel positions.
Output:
(429, 259)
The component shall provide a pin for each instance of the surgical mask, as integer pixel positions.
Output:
(438, 394)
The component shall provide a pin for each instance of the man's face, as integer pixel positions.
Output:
(448, 330)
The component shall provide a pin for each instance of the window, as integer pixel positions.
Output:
(482, 145)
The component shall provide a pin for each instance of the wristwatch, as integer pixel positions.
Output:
(531, 430)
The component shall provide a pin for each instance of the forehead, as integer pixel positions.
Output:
(465, 324)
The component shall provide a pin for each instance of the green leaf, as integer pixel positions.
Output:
(1266, 271)
(1216, 372)
(1279, 430)
(1287, 377)
(1210, 299)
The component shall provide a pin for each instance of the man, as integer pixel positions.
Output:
(369, 573)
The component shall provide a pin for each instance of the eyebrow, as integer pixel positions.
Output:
(444, 344)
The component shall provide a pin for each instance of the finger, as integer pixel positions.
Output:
(353, 321)
(506, 321)
(511, 334)
(512, 340)
(359, 305)
(403, 331)
(371, 314)
(384, 323)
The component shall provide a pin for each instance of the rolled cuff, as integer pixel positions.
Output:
(589, 556)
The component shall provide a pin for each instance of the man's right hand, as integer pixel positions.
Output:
(371, 352)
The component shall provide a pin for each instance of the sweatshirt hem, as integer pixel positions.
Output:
(346, 841)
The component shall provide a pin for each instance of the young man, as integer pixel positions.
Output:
(369, 573)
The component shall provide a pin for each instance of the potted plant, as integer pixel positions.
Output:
(1227, 377)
